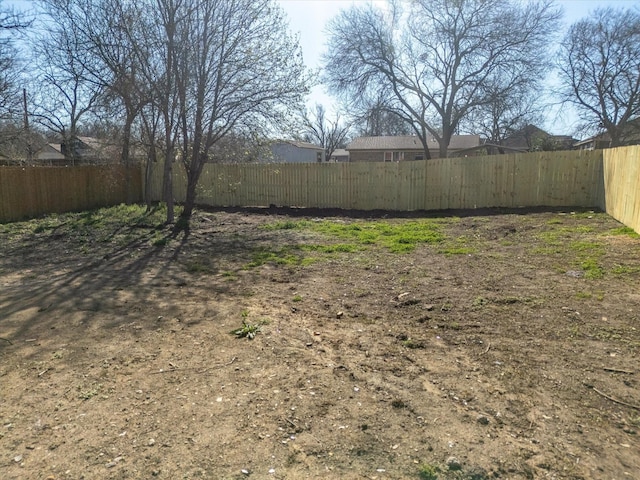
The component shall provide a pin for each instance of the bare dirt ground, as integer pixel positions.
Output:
(504, 347)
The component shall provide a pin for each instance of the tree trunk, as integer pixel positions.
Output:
(193, 176)
(167, 185)
(151, 161)
(126, 140)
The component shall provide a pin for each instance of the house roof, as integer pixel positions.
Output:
(50, 151)
(340, 152)
(305, 145)
(411, 142)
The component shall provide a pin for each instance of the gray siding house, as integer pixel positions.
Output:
(296, 152)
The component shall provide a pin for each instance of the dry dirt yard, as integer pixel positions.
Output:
(495, 344)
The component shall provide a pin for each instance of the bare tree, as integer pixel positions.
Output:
(434, 61)
(508, 111)
(234, 69)
(62, 93)
(378, 119)
(325, 132)
(11, 23)
(599, 65)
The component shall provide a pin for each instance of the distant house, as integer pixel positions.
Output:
(531, 139)
(630, 136)
(50, 154)
(596, 142)
(339, 155)
(290, 151)
(43, 154)
(404, 148)
(90, 150)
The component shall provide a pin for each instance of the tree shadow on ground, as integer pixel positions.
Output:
(48, 281)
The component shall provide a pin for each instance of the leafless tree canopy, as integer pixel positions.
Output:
(437, 60)
(599, 63)
(186, 73)
(321, 130)
(10, 24)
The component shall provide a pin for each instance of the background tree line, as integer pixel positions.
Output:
(197, 81)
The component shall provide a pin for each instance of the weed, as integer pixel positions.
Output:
(413, 344)
(583, 295)
(248, 330)
(428, 472)
(297, 298)
(90, 392)
(479, 302)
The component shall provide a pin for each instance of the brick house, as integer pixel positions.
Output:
(404, 148)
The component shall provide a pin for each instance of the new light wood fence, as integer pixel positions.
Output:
(621, 169)
(608, 180)
(31, 191)
(573, 178)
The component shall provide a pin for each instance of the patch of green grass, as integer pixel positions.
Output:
(548, 250)
(551, 238)
(335, 248)
(589, 215)
(591, 268)
(628, 231)
(586, 246)
(459, 246)
(159, 240)
(286, 225)
(624, 270)
(297, 298)
(398, 237)
(279, 256)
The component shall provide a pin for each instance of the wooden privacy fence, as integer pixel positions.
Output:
(31, 191)
(572, 178)
(608, 180)
(621, 170)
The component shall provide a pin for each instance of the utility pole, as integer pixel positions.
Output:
(27, 132)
